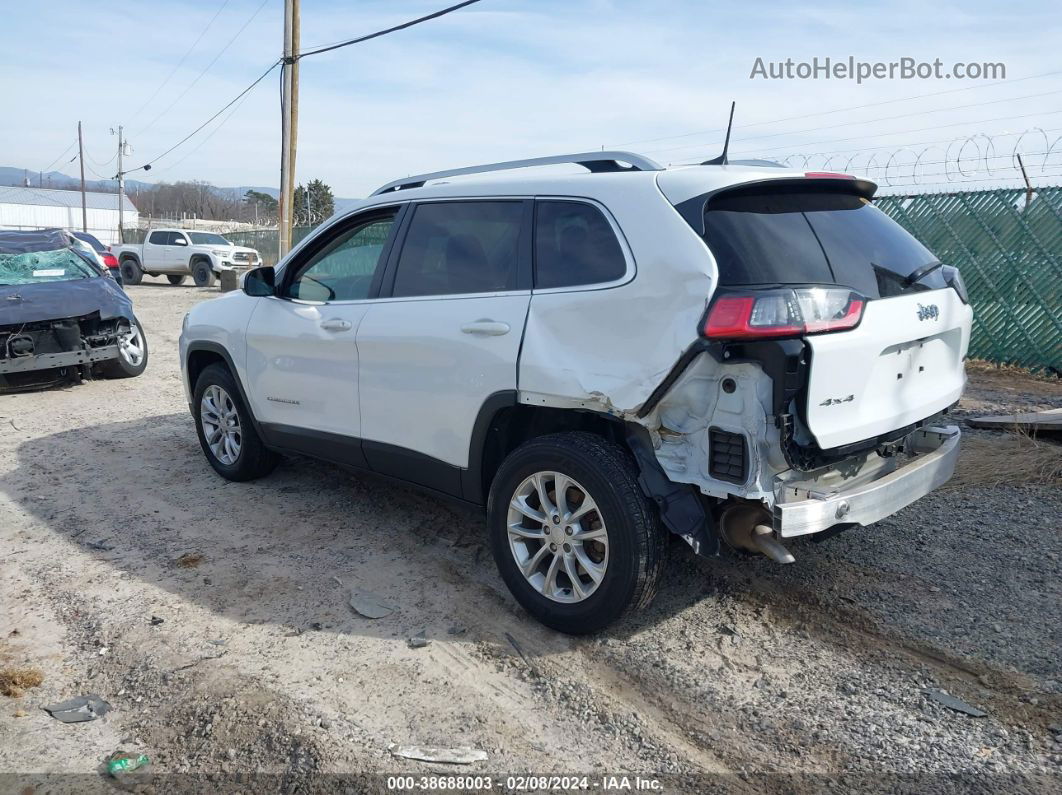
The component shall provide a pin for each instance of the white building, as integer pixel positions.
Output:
(41, 208)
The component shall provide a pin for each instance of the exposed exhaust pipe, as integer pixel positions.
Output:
(748, 527)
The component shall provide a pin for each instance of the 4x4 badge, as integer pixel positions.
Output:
(927, 312)
(837, 401)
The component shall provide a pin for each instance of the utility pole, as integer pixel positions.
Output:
(289, 106)
(121, 188)
(81, 160)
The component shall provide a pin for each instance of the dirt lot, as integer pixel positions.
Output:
(213, 617)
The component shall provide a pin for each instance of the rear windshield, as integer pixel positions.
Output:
(784, 236)
(61, 265)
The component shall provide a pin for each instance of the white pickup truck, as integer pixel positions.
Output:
(179, 253)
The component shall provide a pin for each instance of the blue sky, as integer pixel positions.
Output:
(516, 78)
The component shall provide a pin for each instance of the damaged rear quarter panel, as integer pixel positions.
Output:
(609, 346)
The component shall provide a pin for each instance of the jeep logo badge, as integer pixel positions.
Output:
(928, 312)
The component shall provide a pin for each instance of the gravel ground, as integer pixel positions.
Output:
(213, 618)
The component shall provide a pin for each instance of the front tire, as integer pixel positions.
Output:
(175, 279)
(575, 539)
(132, 354)
(131, 272)
(203, 274)
(226, 430)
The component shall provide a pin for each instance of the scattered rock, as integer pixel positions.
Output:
(189, 560)
(418, 641)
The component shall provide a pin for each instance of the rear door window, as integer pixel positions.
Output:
(574, 245)
(460, 247)
(783, 236)
(159, 238)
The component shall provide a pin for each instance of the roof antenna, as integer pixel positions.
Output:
(721, 160)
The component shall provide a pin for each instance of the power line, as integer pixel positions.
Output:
(231, 102)
(210, 135)
(377, 34)
(205, 69)
(180, 63)
(873, 121)
(838, 110)
(49, 166)
(900, 132)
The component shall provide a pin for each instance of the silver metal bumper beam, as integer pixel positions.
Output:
(936, 451)
(50, 361)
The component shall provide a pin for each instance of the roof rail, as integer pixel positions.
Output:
(593, 161)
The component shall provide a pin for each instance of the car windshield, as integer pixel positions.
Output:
(207, 239)
(60, 265)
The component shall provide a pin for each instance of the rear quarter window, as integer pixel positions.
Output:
(575, 245)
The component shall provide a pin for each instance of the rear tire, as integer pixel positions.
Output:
(175, 279)
(131, 272)
(202, 274)
(619, 562)
(217, 401)
(132, 355)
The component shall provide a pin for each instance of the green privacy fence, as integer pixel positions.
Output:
(1010, 256)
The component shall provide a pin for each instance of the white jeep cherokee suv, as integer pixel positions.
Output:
(730, 353)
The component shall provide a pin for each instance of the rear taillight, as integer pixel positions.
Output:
(953, 279)
(763, 314)
(109, 259)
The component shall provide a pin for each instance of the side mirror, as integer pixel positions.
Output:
(259, 282)
(180, 241)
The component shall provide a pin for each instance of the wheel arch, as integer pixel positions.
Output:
(203, 354)
(503, 424)
(129, 256)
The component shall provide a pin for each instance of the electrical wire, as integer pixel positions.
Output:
(205, 69)
(874, 121)
(49, 166)
(228, 105)
(180, 63)
(836, 110)
(897, 132)
(377, 34)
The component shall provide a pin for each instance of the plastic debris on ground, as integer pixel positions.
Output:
(79, 710)
(450, 756)
(121, 762)
(370, 605)
(956, 704)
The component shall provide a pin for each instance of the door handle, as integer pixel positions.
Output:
(336, 324)
(487, 328)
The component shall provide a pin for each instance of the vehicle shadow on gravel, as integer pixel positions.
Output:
(289, 549)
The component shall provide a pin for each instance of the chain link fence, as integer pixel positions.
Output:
(266, 241)
(1010, 255)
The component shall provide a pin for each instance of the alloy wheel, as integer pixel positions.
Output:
(558, 537)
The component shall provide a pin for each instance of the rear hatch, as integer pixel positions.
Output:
(903, 361)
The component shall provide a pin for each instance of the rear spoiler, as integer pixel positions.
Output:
(692, 210)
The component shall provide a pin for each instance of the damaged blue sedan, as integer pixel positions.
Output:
(62, 319)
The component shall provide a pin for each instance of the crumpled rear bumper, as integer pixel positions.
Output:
(799, 512)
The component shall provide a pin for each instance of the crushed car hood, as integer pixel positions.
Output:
(30, 303)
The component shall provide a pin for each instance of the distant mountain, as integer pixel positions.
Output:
(10, 175)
